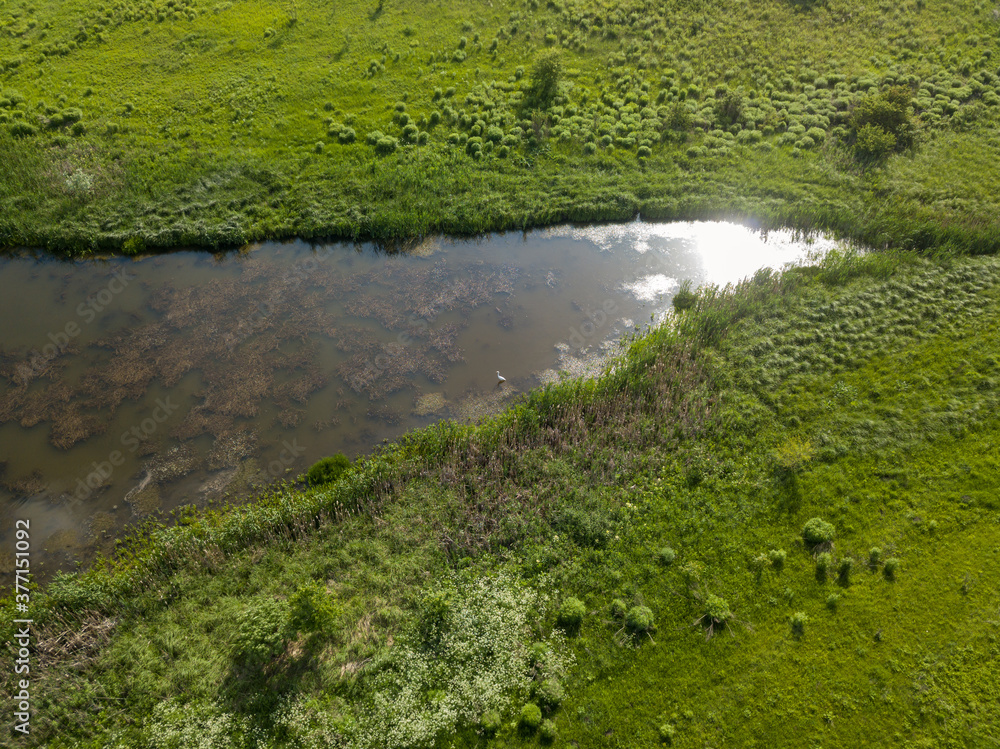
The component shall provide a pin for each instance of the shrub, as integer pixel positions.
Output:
(873, 143)
(433, 619)
(823, 564)
(531, 718)
(874, 557)
(386, 145)
(374, 137)
(832, 601)
(891, 567)
(888, 112)
(571, 615)
(589, 148)
(312, 609)
(817, 531)
(327, 470)
(666, 556)
(685, 299)
(261, 629)
(644, 152)
(547, 732)
(667, 732)
(410, 133)
(318, 148)
(545, 75)
(491, 722)
(550, 694)
(639, 620)
(493, 134)
(799, 621)
(618, 608)
(844, 570)
(347, 135)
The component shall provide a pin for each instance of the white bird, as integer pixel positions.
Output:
(500, 377)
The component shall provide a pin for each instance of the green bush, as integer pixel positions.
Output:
(550, 694)
(891, 568)
(873, 143)
(799, 621)
(639, 620)
(823, 563)
(347, 135)
(618, 609)
(547, 732)
(327, 470)
(777, 557)
(545, 76)
(571, 615)
(874, 557)
(817, 531)
(666, 556)
(832, 601)
(433, 619)
(667, 732)
(531, 718)
(844, 570)
(261, 632)
(312, 609)
(491, 722)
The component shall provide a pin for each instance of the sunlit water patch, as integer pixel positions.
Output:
(129, 387)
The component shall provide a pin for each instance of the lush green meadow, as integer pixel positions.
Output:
(634, 556)
(135, 124)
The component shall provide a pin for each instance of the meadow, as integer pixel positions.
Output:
(143, 125)
(773, 522)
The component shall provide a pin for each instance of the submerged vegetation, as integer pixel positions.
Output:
(773, 521)
(137, 125)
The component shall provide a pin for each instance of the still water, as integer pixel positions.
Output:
(129, 387)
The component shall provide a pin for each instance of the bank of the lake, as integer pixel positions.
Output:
(143, 127)
(772, 522)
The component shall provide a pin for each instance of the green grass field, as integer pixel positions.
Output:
(132, 125)
(627, 554)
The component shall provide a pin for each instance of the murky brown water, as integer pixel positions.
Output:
(129, 387)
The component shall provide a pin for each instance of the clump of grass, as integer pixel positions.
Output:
(328, 470)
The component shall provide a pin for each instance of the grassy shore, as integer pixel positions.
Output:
(140, 125)
(637, 556)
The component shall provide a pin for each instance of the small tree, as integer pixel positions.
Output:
(545, 77)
